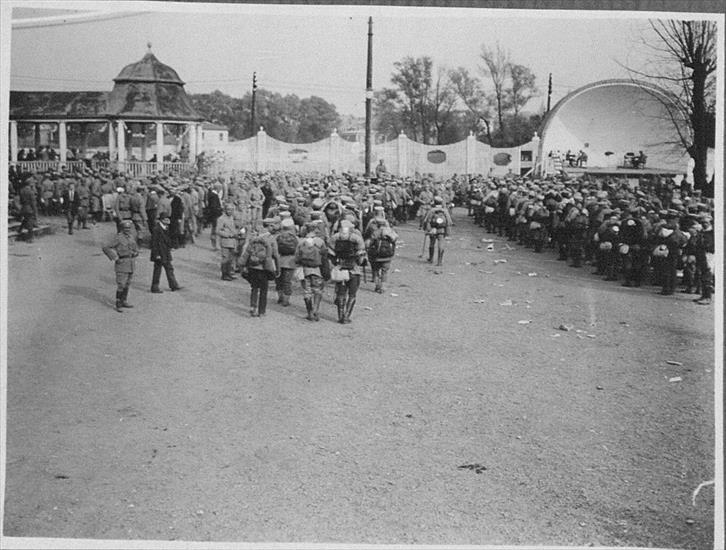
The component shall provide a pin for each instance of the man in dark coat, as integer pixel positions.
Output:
(161, 255)
(71, 201)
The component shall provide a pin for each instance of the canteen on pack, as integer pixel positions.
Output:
(660, 251)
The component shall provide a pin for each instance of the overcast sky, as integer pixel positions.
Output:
(315, 50)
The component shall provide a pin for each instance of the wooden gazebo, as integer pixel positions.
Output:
(145, 93)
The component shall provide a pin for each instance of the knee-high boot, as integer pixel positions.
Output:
(124, 297)
(119, 301)
(440, 257)
(309, 308)
(348, 310)
(317, 298)
(254, 297)
(431, 254)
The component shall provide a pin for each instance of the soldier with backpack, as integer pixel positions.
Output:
(287, 243)
(436, 224)
(381, 247)
(349, 255)
(260, 263)
(311, 255)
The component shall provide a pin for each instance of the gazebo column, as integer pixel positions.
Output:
(62, 141)
(192, 142)
(111, 142)
(159, 146)
(121, 142)
(13, 141)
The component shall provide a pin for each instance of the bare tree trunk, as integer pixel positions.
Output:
(699, 148)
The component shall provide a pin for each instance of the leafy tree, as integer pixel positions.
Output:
(318, 119)
(287, 118)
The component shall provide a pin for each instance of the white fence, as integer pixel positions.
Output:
(402, 156)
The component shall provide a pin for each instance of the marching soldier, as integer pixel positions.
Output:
(436, 224)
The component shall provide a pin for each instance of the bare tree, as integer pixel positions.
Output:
(470, 92)
(522, 87)
(684, 62)
(497, 66)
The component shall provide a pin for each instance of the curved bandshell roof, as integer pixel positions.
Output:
(616, 116)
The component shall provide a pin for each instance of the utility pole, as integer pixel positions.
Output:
(549, 93)
(254, 93)
(369, 96)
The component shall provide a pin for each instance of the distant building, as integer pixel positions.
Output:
(214, 135)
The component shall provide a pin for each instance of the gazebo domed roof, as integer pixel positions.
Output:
(150, 90)
(149, 69)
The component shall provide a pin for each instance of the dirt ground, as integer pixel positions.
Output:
(442, 415)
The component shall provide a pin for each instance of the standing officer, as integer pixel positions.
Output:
(161, 255)
(436, 224)
(28, 209)
(123, 251)
(227, 232)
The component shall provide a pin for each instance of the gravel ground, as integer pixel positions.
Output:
(444, 414)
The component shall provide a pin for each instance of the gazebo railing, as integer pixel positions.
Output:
(133, 168)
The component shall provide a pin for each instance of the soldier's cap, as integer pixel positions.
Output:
(378, 208)
(671, 214)
(346, 224)
(126, 223)
(438, 200)
(377, 202)
(316, 215)
(120, 189)
(165, 217)
(287, 222)
(271, 221)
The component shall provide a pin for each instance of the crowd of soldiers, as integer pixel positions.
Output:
(640, 234)
(283, 227)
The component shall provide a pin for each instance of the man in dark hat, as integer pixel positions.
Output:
(161, 255)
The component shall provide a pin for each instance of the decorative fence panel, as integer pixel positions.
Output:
(402, 157)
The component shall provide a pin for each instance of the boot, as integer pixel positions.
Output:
(254, 297)
(214, 242)
(348, 310)
(124, 297)
(341, 312)
(280, 298)
(285, 300)
(431, 255)
(119, 301)
(440, 257)
(309, 307)
(316, 306)
(70, 229)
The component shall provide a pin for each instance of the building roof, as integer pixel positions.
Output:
(213, 126)
(145, 90)
(149, 69)
(55, 105)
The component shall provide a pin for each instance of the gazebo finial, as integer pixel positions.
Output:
(148, 45)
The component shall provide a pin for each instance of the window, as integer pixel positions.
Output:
(525, 156)
(221, 136)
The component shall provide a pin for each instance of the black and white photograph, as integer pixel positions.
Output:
(361, 276)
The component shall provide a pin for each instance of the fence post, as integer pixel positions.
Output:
(402, 155)
(261, 151)
(470, 153)
(334, 143)
(536, 156)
